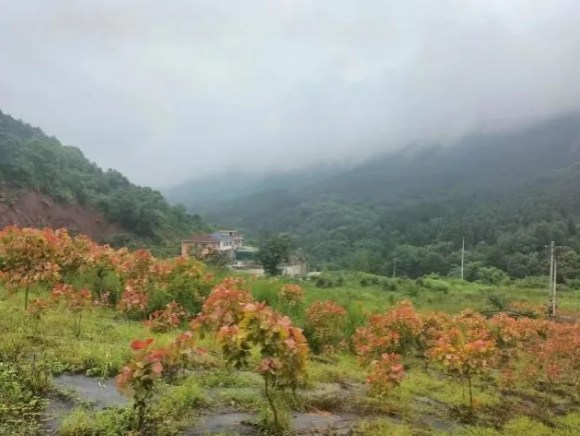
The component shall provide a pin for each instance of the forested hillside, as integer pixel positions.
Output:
(507, 194)
(35, 168)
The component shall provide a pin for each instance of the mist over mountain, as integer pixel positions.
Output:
(363, 128)
(507, 194)
(191, 90)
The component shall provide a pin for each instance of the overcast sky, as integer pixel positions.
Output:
(168, 90)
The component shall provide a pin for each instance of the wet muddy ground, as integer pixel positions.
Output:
(76, 389)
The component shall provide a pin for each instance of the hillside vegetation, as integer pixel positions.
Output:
(32, 161)
(507, 194)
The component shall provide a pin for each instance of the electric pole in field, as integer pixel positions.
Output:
(462, 255)
(395, 269)
(554, 288)
(553, 280)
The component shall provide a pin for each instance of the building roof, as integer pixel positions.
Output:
(204, 238)
(233, 233)
(221, 237)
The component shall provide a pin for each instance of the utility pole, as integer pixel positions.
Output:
(462, 255)
(395, 269)
(551, 286)
(553, 282)
(554, 289)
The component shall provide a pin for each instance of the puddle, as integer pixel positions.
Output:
(313, 422)
(56, 410)
(302, 423)
(101, 394)
(226, 423)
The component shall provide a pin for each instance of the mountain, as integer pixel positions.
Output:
(508, 194)
(205, 194)
(43, 182)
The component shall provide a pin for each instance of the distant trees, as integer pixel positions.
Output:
(273, 251)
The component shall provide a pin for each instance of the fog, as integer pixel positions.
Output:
(166, 91)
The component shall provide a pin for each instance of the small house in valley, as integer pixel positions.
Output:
(226, 241)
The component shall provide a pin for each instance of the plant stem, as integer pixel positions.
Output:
(140, 406)
(79, 324)
(101, 276)
(470, 391)
(271, 402)
(26, 297)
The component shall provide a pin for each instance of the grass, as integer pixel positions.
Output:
(335, 384)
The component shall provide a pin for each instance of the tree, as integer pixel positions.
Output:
(137, 380)
(273, 251)
(466, 354)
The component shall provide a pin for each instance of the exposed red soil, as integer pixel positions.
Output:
(27, 208)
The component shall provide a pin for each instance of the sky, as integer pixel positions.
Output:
(166, 91)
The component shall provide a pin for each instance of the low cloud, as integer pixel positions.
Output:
(175, 90)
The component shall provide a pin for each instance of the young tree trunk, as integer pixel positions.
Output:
(140, 408)
(271, 403)
(470, 391)
(101, 276)
(79, 320)
(35, 331)
(26, 297)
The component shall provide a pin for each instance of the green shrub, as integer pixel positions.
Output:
(491, 276)
(181, 400)
(114, 422)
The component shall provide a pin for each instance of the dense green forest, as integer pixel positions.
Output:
(30, 159)
(507, 194)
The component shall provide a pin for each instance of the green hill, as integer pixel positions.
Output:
(43, 180)
(508, 194)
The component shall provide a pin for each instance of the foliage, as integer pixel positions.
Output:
(75, 300)
(133, 301)
(273, 251)
(466, 353)
(292, 295)
(242, 324)
(325, 326)
(28, 257)
(224, 306)
(166, 319)
(30, 159)
(20, 399)
(397, 331)
(138, 378)
(507, 194)
(386, 373)
(491, 276)
(36, 310)
(283, 349)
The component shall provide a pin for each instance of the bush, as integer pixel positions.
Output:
(104, 423)
(369, 281)
(325, 325)
(498, 302)
(389, 285)
(535, 282)
(180, 400)
(324, 282)
(491, 276)
(572, 284)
